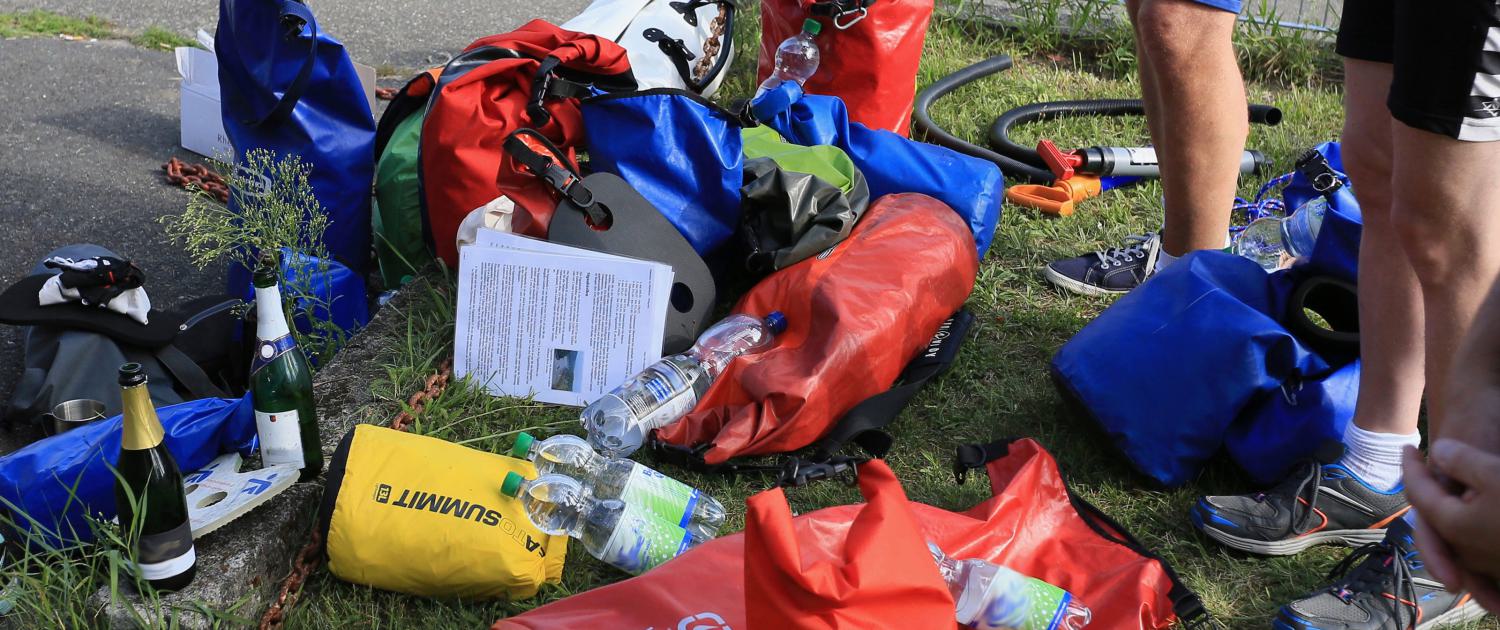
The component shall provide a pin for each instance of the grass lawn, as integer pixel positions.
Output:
(999, 386)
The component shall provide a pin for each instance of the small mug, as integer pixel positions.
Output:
(71, 414)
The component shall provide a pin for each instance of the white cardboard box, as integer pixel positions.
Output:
(201, 111)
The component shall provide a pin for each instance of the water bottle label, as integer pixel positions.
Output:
(280, 437)
(1016, 602)
(654, 403)
(668, 499)
(641, 541)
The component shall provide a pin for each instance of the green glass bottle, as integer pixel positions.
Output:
(281, 382)
(163, 544)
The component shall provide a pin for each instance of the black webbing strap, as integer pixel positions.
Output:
(546, 84)
(674, 49)
(187, 373)
(1185, 603)
(534, 151)
(862, 425)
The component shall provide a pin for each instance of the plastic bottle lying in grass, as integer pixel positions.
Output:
(628, 537)
(623, 479)
(618, 423)
(988, 596)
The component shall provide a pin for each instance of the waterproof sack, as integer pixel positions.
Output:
(400, 247)
(869, 59)
(1169, 368)
(856, 315)
(685, 45)
(419, 515)
(796, 201)
(972, 187)
(1336, 252)
(289, 87)
(1031, 523)
(334, 294)
(681, 151)
(51, 486)
(529, 77)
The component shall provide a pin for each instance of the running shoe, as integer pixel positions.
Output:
(1110, 272)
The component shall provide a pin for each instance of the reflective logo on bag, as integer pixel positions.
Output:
(382, 493)
(701, 621)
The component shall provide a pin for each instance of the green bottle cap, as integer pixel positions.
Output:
(811, 26)
(522, 447)
(512, 485)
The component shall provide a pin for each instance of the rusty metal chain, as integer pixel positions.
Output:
(311, 555)
(188, 176)
(712, 45)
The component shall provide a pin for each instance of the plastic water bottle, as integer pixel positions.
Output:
(988, 596)
(1275, 242)
(631, 482)
(796, 58)
(617, 423)
(623, 535)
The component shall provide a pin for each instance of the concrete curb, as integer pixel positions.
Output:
(241, 566)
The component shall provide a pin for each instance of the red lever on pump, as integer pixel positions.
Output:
(1061, 163)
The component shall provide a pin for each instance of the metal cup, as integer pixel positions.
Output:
(71, 414)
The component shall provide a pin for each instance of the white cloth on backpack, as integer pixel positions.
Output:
(650, 32)
(132, 303)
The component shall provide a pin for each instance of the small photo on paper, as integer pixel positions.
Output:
(564, 370)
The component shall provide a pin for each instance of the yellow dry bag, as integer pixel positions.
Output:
(420, 515)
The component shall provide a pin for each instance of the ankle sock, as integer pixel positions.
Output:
(1376, 457)
(1163, 259)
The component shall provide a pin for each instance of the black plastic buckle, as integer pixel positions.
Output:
(1315, 167)
(540, 86)
(689, 10)
(672, 47)
(1193, 616)
(971, 456)
(798, 472)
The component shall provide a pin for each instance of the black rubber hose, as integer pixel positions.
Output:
(1000, 129)
(936, 135)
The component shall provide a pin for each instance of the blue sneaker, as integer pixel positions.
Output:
(1110, 272)
(1381, 586)
(1320, 504)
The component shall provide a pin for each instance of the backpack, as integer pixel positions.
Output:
(686, 45)
(530, 77)
(400, 248)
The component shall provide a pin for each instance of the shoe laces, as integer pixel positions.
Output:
(1304, 493)
(1138, 248)
(1369, 568)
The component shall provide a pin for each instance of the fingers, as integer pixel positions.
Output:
(1474, 468)
(1439, 558)
(1428, 495)
(1484, 590)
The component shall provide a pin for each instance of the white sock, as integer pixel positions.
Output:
(1163, 259)
(1376, 457)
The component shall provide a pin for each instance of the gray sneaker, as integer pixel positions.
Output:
(1110, 272)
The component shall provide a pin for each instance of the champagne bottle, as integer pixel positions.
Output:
(281, 382)
(163, 544)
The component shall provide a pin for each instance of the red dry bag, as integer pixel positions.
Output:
(870, 50)
(1032, 524)
(856, 314)
(530, 77)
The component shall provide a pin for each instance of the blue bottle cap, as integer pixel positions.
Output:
(776, 321)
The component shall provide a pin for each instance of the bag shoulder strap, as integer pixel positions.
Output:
(1186, 604)
(540, 156)
(188, 373)
(294, 16)
(863, 424)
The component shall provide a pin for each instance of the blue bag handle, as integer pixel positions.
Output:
(292, 10)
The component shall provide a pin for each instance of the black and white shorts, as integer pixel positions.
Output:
(1446, 59)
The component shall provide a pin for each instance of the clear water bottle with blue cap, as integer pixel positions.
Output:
(670, 500)
(1276, 242)
(618, 423)
(988, 596)
(796, 58)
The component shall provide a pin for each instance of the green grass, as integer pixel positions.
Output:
(46, 23)
(158, 38)
(43, 23)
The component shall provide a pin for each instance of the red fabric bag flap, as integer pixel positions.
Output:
(872, 65)
(855, 314)
(1029, 524)
(879, 571)
(482, 97)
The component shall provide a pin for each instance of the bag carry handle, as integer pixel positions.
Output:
(535, 152)
(294, 16)
(547, 84)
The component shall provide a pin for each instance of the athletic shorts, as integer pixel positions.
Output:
(1445, 56)
(1232, 6)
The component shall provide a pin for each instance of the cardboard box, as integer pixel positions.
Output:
(201, 111)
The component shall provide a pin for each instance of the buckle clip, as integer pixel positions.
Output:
(798, 472)
(1315, 167)
(672, 47)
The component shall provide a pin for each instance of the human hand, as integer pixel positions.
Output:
(1454, 524)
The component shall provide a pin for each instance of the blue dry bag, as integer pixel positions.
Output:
(679, 150)
(1207, 355)
(290, 88)
(338, 296)
(51, 485)
(974, 188)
